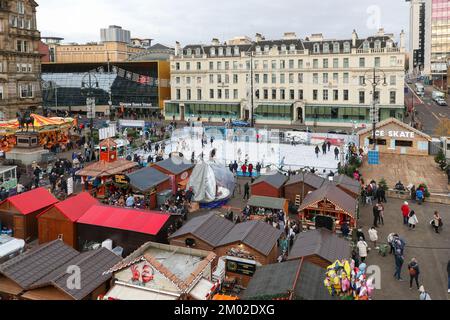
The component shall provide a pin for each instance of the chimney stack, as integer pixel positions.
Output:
(354, 38)
(259, 37)
(177, 48)
(402, 40)
(215, 42)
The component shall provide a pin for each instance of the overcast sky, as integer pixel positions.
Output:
(198, 21)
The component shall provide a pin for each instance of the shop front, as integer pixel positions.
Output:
(395, 137)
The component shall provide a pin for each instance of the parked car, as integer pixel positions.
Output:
(240, 123)
(441, 102)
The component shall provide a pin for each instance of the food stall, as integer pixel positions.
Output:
(8, 178)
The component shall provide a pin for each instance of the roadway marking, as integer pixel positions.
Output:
(421, 101)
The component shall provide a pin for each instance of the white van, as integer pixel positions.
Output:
(420, 90)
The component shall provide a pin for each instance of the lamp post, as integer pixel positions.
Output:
(375, 77)
(252, 121)
(88, 84)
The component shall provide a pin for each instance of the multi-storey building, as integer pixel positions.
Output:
(312, 81)
(416, 36)
(20, 60)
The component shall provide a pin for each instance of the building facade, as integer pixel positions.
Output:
(311, 82)
(20, 60)
(416, 36)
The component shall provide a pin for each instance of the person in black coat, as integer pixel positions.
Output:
(376, 216)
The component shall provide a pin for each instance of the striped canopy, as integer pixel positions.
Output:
(40, 123)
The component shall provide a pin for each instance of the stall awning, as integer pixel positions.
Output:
(267, 202)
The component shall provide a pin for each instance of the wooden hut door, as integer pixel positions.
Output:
(19, 227)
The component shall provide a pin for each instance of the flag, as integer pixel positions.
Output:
(121, 72)
(144, 79)
(135, 77)
(128, 75)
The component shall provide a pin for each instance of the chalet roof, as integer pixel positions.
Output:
(210, 228)
(348, 183)
(74, 207)
(32, 201)
(174, 166)
(276, 179)
(320, 242)
(397, 122)
(333, 194)
(106, 169)
(273, 281)
(267, 202)
(311, 179)
(147, 178)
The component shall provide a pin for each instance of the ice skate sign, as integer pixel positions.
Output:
(395, 134)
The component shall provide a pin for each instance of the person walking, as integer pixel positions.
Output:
(324, 148)
(436, 222)
(399, 247)
(412, 221)
(381, 213)
(373, 235)
(376, 215)
(258, 169)
(419, 196)
(244, 169)
(413, 268)
(317, 151)
(390, 239)
(405, 212)
(328, 145)
(336, 153)
(362, 249)
(246, 191)
(250, 169)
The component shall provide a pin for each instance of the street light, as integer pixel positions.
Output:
(89, 83)
(375, 77)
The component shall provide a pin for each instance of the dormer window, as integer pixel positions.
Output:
(366, 45)
(283, 48)
(197, 51)
(326, 48)
(220, 51)
(189, 52)
(292, 47)
(236, 51)
(377, 44)
(212, 52)
(228, 50)
(275, 48)
(336, 47)
(347, 47)
(258, 49)
(266, 48)
(389, 43)
(316, 48)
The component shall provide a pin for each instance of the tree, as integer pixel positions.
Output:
(383, 184)
(441, 160)
(443, 128)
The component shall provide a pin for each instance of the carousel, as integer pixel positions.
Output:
(212, 183)
(51, 131)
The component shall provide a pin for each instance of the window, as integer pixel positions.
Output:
(362, 97)
(235, 65)
(219, 65)
(282, 78)
(265, 65)
(235, 94)
(211, 78)
(235, 78)
(392, 97)
(188, 94)
(346, 78)
(346, 47)
(22, 46)
(177, 80)
(274, 64)
(274, 94)
(316, 48)
(315, 93)
(20, 7)
(227, 78)
(283, 48)
(403, 143)
(266, 48)
(228, 51)
(211, 93)
(345, 95)
(291, 94)
(219, 78)
(325, 95)
(265, 78)
(188, 52)
(212, 51)
(392, 80)
(257, 78)
(346, 63)
(291, 64)
(325, 78)
(256, 64)
(282, 64)
(325, 63)
(292, 47)
(177, 66)
(220, 51)
(335, 77)
(300, 64)
(1, 92)
(188, 80)
(336, 47)
(366, 45)
(178, 94)
(266, 94)
(335, 95)
(199, 66)
(236, 51)
(24, 68)
(282, 94)
(377, 62)
(247, 64)
(197, 51)
(362, 81)
(258, 49)
(377, 44)
(219, 94)
(274, 78)
(227, 65)
(13, 21)
(199, 94)
(227, 94)
(362, 62)
(1, 66)
(300, 94)
(291, 78)
(315, 78)
(393, 61)
(188, 66)
(26, 91)
(326, 48)
(300, 78)
(315, 63)
(335, 63)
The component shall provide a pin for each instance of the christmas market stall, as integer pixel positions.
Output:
(178, 169)
(8, 179)
(331, 202)
(18, 214)
(262, 207)
(149, 182)
(96, 176)
(269, 185)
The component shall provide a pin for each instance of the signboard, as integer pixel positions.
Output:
(374, 157)
(69, 186)
(240, 267)
(135, 105)
(90, 108)
(395, 134)
(121, 179)
(132, 123)
(105, 133)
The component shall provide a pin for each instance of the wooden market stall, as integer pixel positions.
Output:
(269, 185)
(269, 203)
(298, 186)
(329, 201)
(19, 213)
(149, 182)
(59, 221)
(95, 176)
(178, 169)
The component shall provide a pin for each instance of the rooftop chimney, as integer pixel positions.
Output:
(259, 37)
(402, 40)
(380, 32)
(289, 36)
(177, 48)
(215, 42)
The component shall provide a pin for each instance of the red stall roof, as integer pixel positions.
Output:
(148, 222)
(32, 201)
(74, 207)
